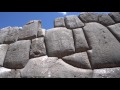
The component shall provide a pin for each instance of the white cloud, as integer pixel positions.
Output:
(64, 13)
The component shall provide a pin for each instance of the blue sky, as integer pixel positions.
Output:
(21, 18)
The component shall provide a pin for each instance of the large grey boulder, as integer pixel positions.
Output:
(81, 44)
(63, 70)
(115, 29)
(12, 35)
(3, 50)
(59, 22)
(37, 67)
(9, 73)
(37, 47)
(115, 16)
(89, 17)
(29, 31)
(59, 42)
(105, 51)
(106, 20)
(41, 32)
(79, 60)
(3, 34)
(107, 73)
(73, 22)
(51, 67)
(17, 54)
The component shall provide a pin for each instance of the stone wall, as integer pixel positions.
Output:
(84, 46)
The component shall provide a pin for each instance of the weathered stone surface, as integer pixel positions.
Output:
(115, 16)
(29, 31)
(80, 40)
(73, 22)
(115, 29)
(37, 47)
(3, 50)
(41, 32)
(59, 22)
(17, 55)
(106, 20)
(44, 67)
(12, 35)
(105, 51)
(89, 17)
(107, 73)
(9, 73)
(63, 70)
(37, 67)
(3, 34)
(79, 60)
(59, 42)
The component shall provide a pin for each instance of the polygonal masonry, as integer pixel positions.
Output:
(88, 17)
(73, 22)
(17, 54)
(81, 44)
(79, 60)
(29, 31)
(41, 32)
(37, 47)
(59, 42)
(115, 16)
(115, 29)
(105, 51)
(59, 22)
(3, 50)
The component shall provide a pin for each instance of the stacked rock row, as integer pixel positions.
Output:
(84, 46)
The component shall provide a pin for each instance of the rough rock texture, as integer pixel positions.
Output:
(37, 47)
(79, 60)
(107, 73)
(3, 34)
(81, 44)
(59, 42)
(17, 55)
(73, 22)
(41, 32)
(115, 16)
(3, 50)
(29, 31)
(59, 22)
(105, 51)
(106, 20)
(115, 29)
(44, 67)
(37, 67)
(12, 35)
(88, 17)
(9, 73)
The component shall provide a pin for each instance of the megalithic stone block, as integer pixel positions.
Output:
(73, 22)
(106, 20)
(41, 32)
(12, 35)
(79, 60)
(30, 30)
(59, 42)
(59, 22)
(107, 73)
(37, 47)
(115, 16)
(17, 54)
(81, 44)
(89, 17)
(3, 50)
(105, 51)
(3, 34)
(115, 29)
